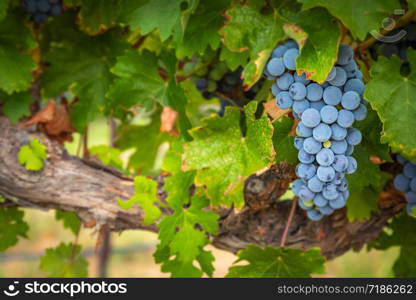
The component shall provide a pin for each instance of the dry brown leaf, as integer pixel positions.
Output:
(168, 119)
(273, 111)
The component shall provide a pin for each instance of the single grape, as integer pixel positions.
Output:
(305, 193)
(326, 210)
(284, 81)
(305, 171)
(350, 150)
(338, 203)
(340, 163)
(338, 133)
(318, 105)
(339, 147)
(401, 183)
(283, 100)
(360, 113)
(311, 146)
(322, 132)
(355, 85)
(314, 92)
(311, 118)
(297, 91)
(325, 157)
(331, 74)
(354, 136)
(329, 114)
(332, 95)
(319, 200)
(275, 89)
(291, 44)
(298, 142)
(279, 51)
(330, 191)
(289, 58)
(276, 67)
(409, 170)
(325, 174)
(345, 118)
(302, 130)
(350, 100)
(340, 77)
(352, 165)
(315, 185)
(300, 106)
(345, 55)
(410, 197)
(305, 157)
(314, 215)
(296, 185)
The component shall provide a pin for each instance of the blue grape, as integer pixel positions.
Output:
(305, 171)
(338, 203)
(319, 200)
(409, 170)
(413, 184)
(315, 185)
(279, 51)
(326, 210)
(410, 208)
(338, 133)
(300, 106)
(340, 163)
(351, 66)
(343, 186)
(410, 197)
(332, 95)
(296, 185)
(289, 58)
(311, 146)
(305, 157)
(314, 92)
(302, 130)
(325, 157)
(301, 78)
(360, 113)
(314, 215)
(402, 183)
(283, 100)
(291, 44)
(402, 160)
(325, 174)
(311, 118)
(354, 136)
(345, 118)
(329, 114)
(322, 132)
(298, 142)
(355, 85)
(330, 191)
(339, 147)
(305, 193)
(345, 55)
(276, 67)
(340, 77)
(275, 89)
(297, 91)
(350, 100)
(305, 206)
(352, 165)
(350, 150)
(284, 81)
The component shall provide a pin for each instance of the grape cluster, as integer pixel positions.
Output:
(226, 85)
(325, 136)
(42, 9)
(406, 182)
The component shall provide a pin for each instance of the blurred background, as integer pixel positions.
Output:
(131, 254)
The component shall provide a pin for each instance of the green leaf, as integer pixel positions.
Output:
(16, 65)
(223, 157)
(234, 59)
(85, 72)
(360, 16)
(137, 82)
(108, 155)
(33, 155)
(64, 261)
(400, 232)
(145, 194)
(69, 219)
(179, 234)
(277, 262)
(99, 15)
(318, 42)
(283, 141)
(148, 15)
(201, 31)
(178, 186)
(247, 28)
(12, 226)
(393, 97)
(146, 141)
(3, 8)
(16, 106)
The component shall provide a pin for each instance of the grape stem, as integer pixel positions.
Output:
(406, 18)
(289, 221)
